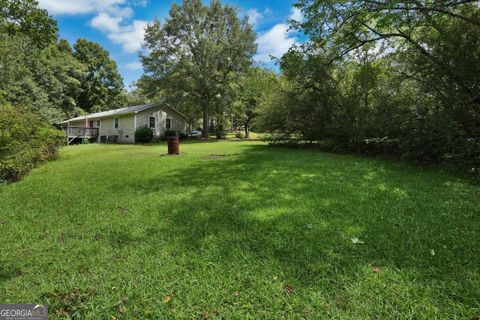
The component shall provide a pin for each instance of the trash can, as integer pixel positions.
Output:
(173, 145)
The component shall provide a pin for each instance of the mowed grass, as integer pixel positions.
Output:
(239, 230)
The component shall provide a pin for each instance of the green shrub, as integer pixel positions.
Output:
(239, 135)
(170, 133)
(221, 134)
(143, 134)
(25, 142)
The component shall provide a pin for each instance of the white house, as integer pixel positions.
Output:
(119, 125)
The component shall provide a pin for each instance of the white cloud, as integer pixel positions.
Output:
(130, 36)
(254, 16)
(77, 6)
(124, 13)
(106, 23)
(276, 41)
(296, 15)
(134, 65)
(141, 3)
(112, 17)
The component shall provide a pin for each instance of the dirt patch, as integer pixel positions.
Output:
(71, 302)
(216, 157)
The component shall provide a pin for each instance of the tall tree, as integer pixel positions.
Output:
(348, 25)
(345, 26)
(38, 71)
(25, 17)
(47, 80)
(251, 89)
(386, 76)
(199, 50)
(102, 84)
(35, 70)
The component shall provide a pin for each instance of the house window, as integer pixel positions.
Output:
(151, 122)
(115, 123)
(98, 123)
(91, 123)
(168, 124)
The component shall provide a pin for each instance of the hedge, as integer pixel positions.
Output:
(26, 141)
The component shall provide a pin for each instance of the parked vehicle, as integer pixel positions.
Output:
(194, 134)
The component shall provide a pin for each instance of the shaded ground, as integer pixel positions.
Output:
(238, 230)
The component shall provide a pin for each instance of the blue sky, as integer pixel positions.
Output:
(118, 25)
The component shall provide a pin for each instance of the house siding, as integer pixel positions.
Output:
(129, 122)
(125, 130)
(179, 123)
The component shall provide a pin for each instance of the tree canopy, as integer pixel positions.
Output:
(101, 84)
(378, 76)
(395, 77)
(45, 74)
(26, 18)
(199, 50)
(250, 91)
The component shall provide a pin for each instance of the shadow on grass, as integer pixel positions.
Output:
(302, 209)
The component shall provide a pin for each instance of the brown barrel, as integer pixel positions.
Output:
(173, 145)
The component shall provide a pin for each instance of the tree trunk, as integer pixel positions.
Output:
(205, 122)
(247, 129)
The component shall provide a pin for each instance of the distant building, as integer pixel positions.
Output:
(119, 125)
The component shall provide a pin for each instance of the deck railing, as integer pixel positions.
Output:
(82, 132)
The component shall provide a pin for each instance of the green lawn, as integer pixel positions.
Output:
(239, 230)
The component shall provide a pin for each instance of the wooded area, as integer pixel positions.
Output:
(387, 77)
(394, 77)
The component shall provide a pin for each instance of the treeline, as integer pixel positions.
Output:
(200, 59)
(383, 77)
(44, 80)
(41, 71)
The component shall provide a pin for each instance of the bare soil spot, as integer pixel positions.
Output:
(215, 157)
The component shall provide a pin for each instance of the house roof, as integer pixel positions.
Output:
(116, 112)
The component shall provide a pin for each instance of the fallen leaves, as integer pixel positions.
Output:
(168, 298)
(377, 270)
(122, 211)
(289, 289)
(122, 309)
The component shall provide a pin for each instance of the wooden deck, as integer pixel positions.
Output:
(81, 132)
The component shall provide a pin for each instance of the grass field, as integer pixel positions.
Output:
(239, 230)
